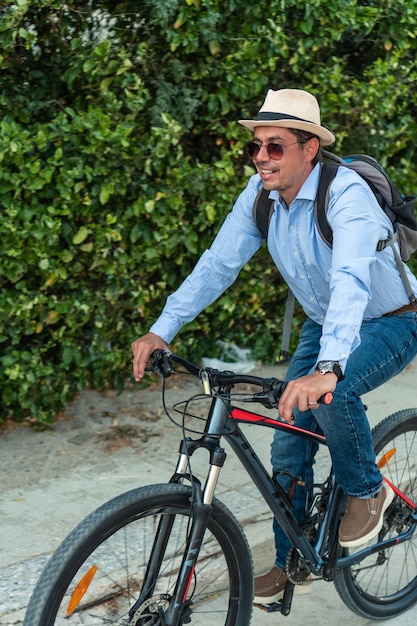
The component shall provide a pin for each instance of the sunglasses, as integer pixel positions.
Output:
(274, 150)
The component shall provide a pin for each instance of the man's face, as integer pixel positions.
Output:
(287, 173)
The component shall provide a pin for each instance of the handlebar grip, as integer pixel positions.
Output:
(270, 398)
(326, 398)
(161, 363)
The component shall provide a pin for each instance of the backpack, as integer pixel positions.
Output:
(399, 209)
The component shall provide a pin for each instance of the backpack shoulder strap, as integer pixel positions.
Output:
(321, 203)
(262, 211)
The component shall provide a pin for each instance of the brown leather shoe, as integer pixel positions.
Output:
(364, 518)
(270, 587)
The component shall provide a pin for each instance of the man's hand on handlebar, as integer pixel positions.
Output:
(306, 393)
(152, 351)
(142, 349)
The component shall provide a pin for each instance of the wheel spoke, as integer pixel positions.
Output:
(96, 576)
(385, 584)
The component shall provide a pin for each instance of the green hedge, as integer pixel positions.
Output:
(120, 157)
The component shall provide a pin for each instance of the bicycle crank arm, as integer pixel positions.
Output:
(283, 607)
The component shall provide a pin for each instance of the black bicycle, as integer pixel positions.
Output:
(171, 554)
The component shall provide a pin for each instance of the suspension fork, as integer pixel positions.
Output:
(200, 512)
(215, 428)
(200, 517)
(201, 505)
(156, 558)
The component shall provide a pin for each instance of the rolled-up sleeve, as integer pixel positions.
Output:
(217, 268)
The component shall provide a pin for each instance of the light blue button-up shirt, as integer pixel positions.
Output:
(338, 288)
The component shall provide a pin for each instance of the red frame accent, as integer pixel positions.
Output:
(248, 417)
(400, 493)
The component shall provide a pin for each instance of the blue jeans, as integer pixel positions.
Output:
(388, 344)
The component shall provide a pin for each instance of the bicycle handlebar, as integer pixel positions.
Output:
(272, 388)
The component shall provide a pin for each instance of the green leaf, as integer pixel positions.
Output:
(81, 235)
(121, 156)
(105, 192)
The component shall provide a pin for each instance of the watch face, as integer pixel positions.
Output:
(325, 367)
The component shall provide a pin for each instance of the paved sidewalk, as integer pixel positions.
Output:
(35, 518)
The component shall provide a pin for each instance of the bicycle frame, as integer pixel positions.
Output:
(223, 421)
(322, 559)
(183, 552)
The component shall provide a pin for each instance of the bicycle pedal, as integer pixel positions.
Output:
(274, 607)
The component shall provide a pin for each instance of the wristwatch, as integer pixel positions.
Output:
(324, 367)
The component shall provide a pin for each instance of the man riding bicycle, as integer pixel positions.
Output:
(360, 329)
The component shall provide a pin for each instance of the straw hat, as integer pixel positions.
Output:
(291, 108)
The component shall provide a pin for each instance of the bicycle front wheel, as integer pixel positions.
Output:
(385, 584)
(96, 575)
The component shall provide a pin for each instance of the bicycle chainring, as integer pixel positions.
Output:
(296, 570)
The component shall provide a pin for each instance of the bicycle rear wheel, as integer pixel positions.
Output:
(385, 584)
(98, 570)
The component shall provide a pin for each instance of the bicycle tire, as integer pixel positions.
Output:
(385, 584)
(117, 538)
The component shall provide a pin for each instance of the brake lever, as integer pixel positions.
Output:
(270, 398)
(266, 398)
